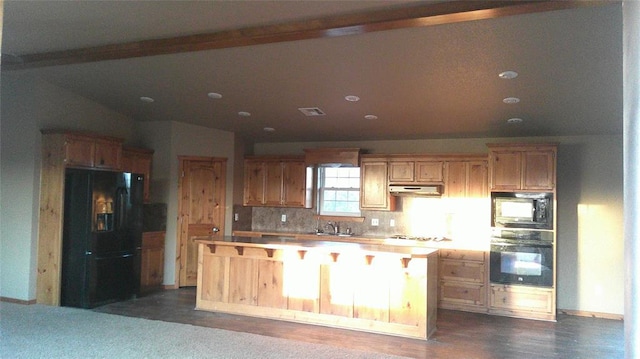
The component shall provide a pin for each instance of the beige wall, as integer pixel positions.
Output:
(29, 105)
(590, 270)
(590, 242)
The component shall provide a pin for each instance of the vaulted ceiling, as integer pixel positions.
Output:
(421, 69)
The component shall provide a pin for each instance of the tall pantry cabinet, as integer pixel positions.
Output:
(525, 168)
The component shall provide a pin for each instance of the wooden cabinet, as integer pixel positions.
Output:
(138, 160)
(462, 280)
(92, 151)
(522, 301)
(275, 182)
(374, 185)
(409, 171)
(152, 261)
(466, 179)
(522, 167)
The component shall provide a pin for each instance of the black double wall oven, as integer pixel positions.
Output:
(522, 240)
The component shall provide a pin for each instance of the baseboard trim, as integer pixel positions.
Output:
(170, 286)
(583, 313)
(17, 301)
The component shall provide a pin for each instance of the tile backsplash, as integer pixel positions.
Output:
(413, 216)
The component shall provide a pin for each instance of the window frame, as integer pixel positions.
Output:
(321, 189)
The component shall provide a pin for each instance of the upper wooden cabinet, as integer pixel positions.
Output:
(92, 151)
(409, 171)
(466, 178)
(275, 182)
(517, 167)
(374, 185)
(138, 160)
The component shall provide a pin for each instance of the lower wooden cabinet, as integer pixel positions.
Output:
(152, 261)
(462, 280)
(522, 301)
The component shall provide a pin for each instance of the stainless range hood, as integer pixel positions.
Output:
(415, 191)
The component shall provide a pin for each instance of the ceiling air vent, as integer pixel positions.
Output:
(311, 111)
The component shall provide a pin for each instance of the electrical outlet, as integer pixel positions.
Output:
(236, 217)
(283, 218)
(375, 222)
(392, 223)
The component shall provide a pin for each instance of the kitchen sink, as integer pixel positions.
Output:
(332, 234)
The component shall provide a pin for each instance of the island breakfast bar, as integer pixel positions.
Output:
(368, 287)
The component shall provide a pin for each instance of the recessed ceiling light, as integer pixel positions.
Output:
(511, 100)
(214, 95)
(269, 129)
(352, 98)
(508, 75)
(514, 120)
(146, 99)
(244, 114)
(371, 117)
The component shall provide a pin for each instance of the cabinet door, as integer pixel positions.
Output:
(539, 170)
(402, 171)
(253, 183)
(79, 151)
(136, 161)
(294, 184)
(429, 171)
(273, 183)
(506, 170)
(374, 187)
(477, 179)
(152, 261)
(456, 179)
(107, 154)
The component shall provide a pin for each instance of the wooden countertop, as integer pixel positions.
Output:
(328, 246)
(371, 239)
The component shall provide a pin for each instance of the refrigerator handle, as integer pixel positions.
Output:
(121, 205)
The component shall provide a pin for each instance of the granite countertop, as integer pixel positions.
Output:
(461, 244)
(331, 246)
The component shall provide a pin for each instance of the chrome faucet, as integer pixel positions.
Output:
(335, 228)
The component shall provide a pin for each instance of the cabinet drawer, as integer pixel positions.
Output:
(521, 298)
(467, 271)
(462, 254)
(456, 293)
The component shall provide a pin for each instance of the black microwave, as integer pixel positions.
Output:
(522, 210)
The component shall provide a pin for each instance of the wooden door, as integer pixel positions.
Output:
(201, 207)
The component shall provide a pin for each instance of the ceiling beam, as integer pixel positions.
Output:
(424, 14)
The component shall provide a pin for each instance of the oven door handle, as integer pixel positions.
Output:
(534, 245)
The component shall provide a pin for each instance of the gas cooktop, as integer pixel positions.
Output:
(418, 238)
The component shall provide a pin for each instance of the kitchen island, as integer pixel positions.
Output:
(368, 287)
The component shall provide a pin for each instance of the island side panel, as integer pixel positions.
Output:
(256, 280)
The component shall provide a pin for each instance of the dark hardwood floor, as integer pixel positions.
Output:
(459, 334)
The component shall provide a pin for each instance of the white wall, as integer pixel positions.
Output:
(590, 242)
(29, 105)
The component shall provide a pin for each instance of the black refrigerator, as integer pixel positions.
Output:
(102, 237)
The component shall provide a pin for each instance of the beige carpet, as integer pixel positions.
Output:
(38, 331)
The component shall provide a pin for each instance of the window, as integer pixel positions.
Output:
(339, 191)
